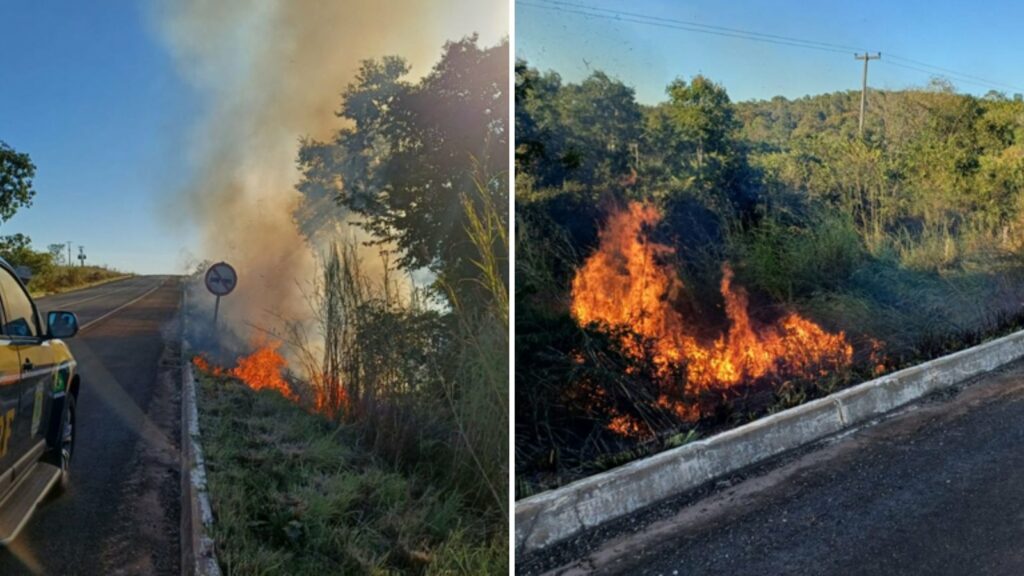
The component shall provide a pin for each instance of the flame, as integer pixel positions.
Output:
(261, 370)
(326, 402)
(200, 362)
(627, 283)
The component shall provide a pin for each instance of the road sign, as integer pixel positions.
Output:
(221, 279)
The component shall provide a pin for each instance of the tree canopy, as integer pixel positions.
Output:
(413, 152)
(16, 174)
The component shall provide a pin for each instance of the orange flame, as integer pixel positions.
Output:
(626, 283)
(261, 370)
(200, 362)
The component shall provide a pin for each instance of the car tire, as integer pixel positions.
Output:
(61, 454)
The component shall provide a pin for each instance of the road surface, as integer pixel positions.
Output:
(937, 489)
(121, 512)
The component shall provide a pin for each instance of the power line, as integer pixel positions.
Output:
(689, 23)
(690, 26)
(950, 77)
(934, 74)
(661, 23)
(966, 78)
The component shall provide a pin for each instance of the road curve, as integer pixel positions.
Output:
(937, 489)
(121, 512)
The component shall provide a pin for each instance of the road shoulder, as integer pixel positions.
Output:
(627, 545)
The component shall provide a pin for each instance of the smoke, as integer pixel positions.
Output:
(269, 73)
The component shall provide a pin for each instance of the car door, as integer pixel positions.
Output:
(21, 426)
(10, 393)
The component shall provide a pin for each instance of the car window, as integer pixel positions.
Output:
(21, 320)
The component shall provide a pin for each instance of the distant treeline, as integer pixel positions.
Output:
(930, 160)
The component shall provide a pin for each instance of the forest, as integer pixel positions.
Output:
(689, 266)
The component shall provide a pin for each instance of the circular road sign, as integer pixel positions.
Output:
(221, 279)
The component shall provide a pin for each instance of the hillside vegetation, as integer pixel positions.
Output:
(48, 270)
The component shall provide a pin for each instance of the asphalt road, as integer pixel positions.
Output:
(937, 489)
(121, 512)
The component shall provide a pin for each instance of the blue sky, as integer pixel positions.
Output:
(89, 90)
(968, 38)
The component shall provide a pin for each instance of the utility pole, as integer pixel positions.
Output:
(69, 253)
(864, 85)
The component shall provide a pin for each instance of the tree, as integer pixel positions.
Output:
(702, 113)
(414, 152)
(540, 134)
(602, 121)
(17, 250)
(57, 252)
(583, 133)
(16, 173)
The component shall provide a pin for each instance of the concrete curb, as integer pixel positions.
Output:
(199, 511)
(199, 554)
(556, 515)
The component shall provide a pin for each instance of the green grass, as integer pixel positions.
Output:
(294, 494)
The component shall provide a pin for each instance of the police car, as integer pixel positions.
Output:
(38, 387)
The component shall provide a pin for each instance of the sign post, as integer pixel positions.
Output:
(220, 281)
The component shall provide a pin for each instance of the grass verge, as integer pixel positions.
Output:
(63, 279)
(295, 494)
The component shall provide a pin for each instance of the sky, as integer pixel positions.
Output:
(982, 42)
(91, 93)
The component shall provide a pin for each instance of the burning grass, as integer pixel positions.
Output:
(647, 340)
(262, 369)
(295, 494)
(629, 285)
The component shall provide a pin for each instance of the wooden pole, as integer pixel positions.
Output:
(864, 86)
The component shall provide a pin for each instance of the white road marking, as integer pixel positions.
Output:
(91, 298)
(90, 323)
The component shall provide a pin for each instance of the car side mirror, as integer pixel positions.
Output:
(61, 324)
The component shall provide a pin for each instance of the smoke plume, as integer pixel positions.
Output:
(269, 73)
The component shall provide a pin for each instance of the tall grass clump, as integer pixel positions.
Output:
(791, 259)
(421, 372)
(477, 395)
